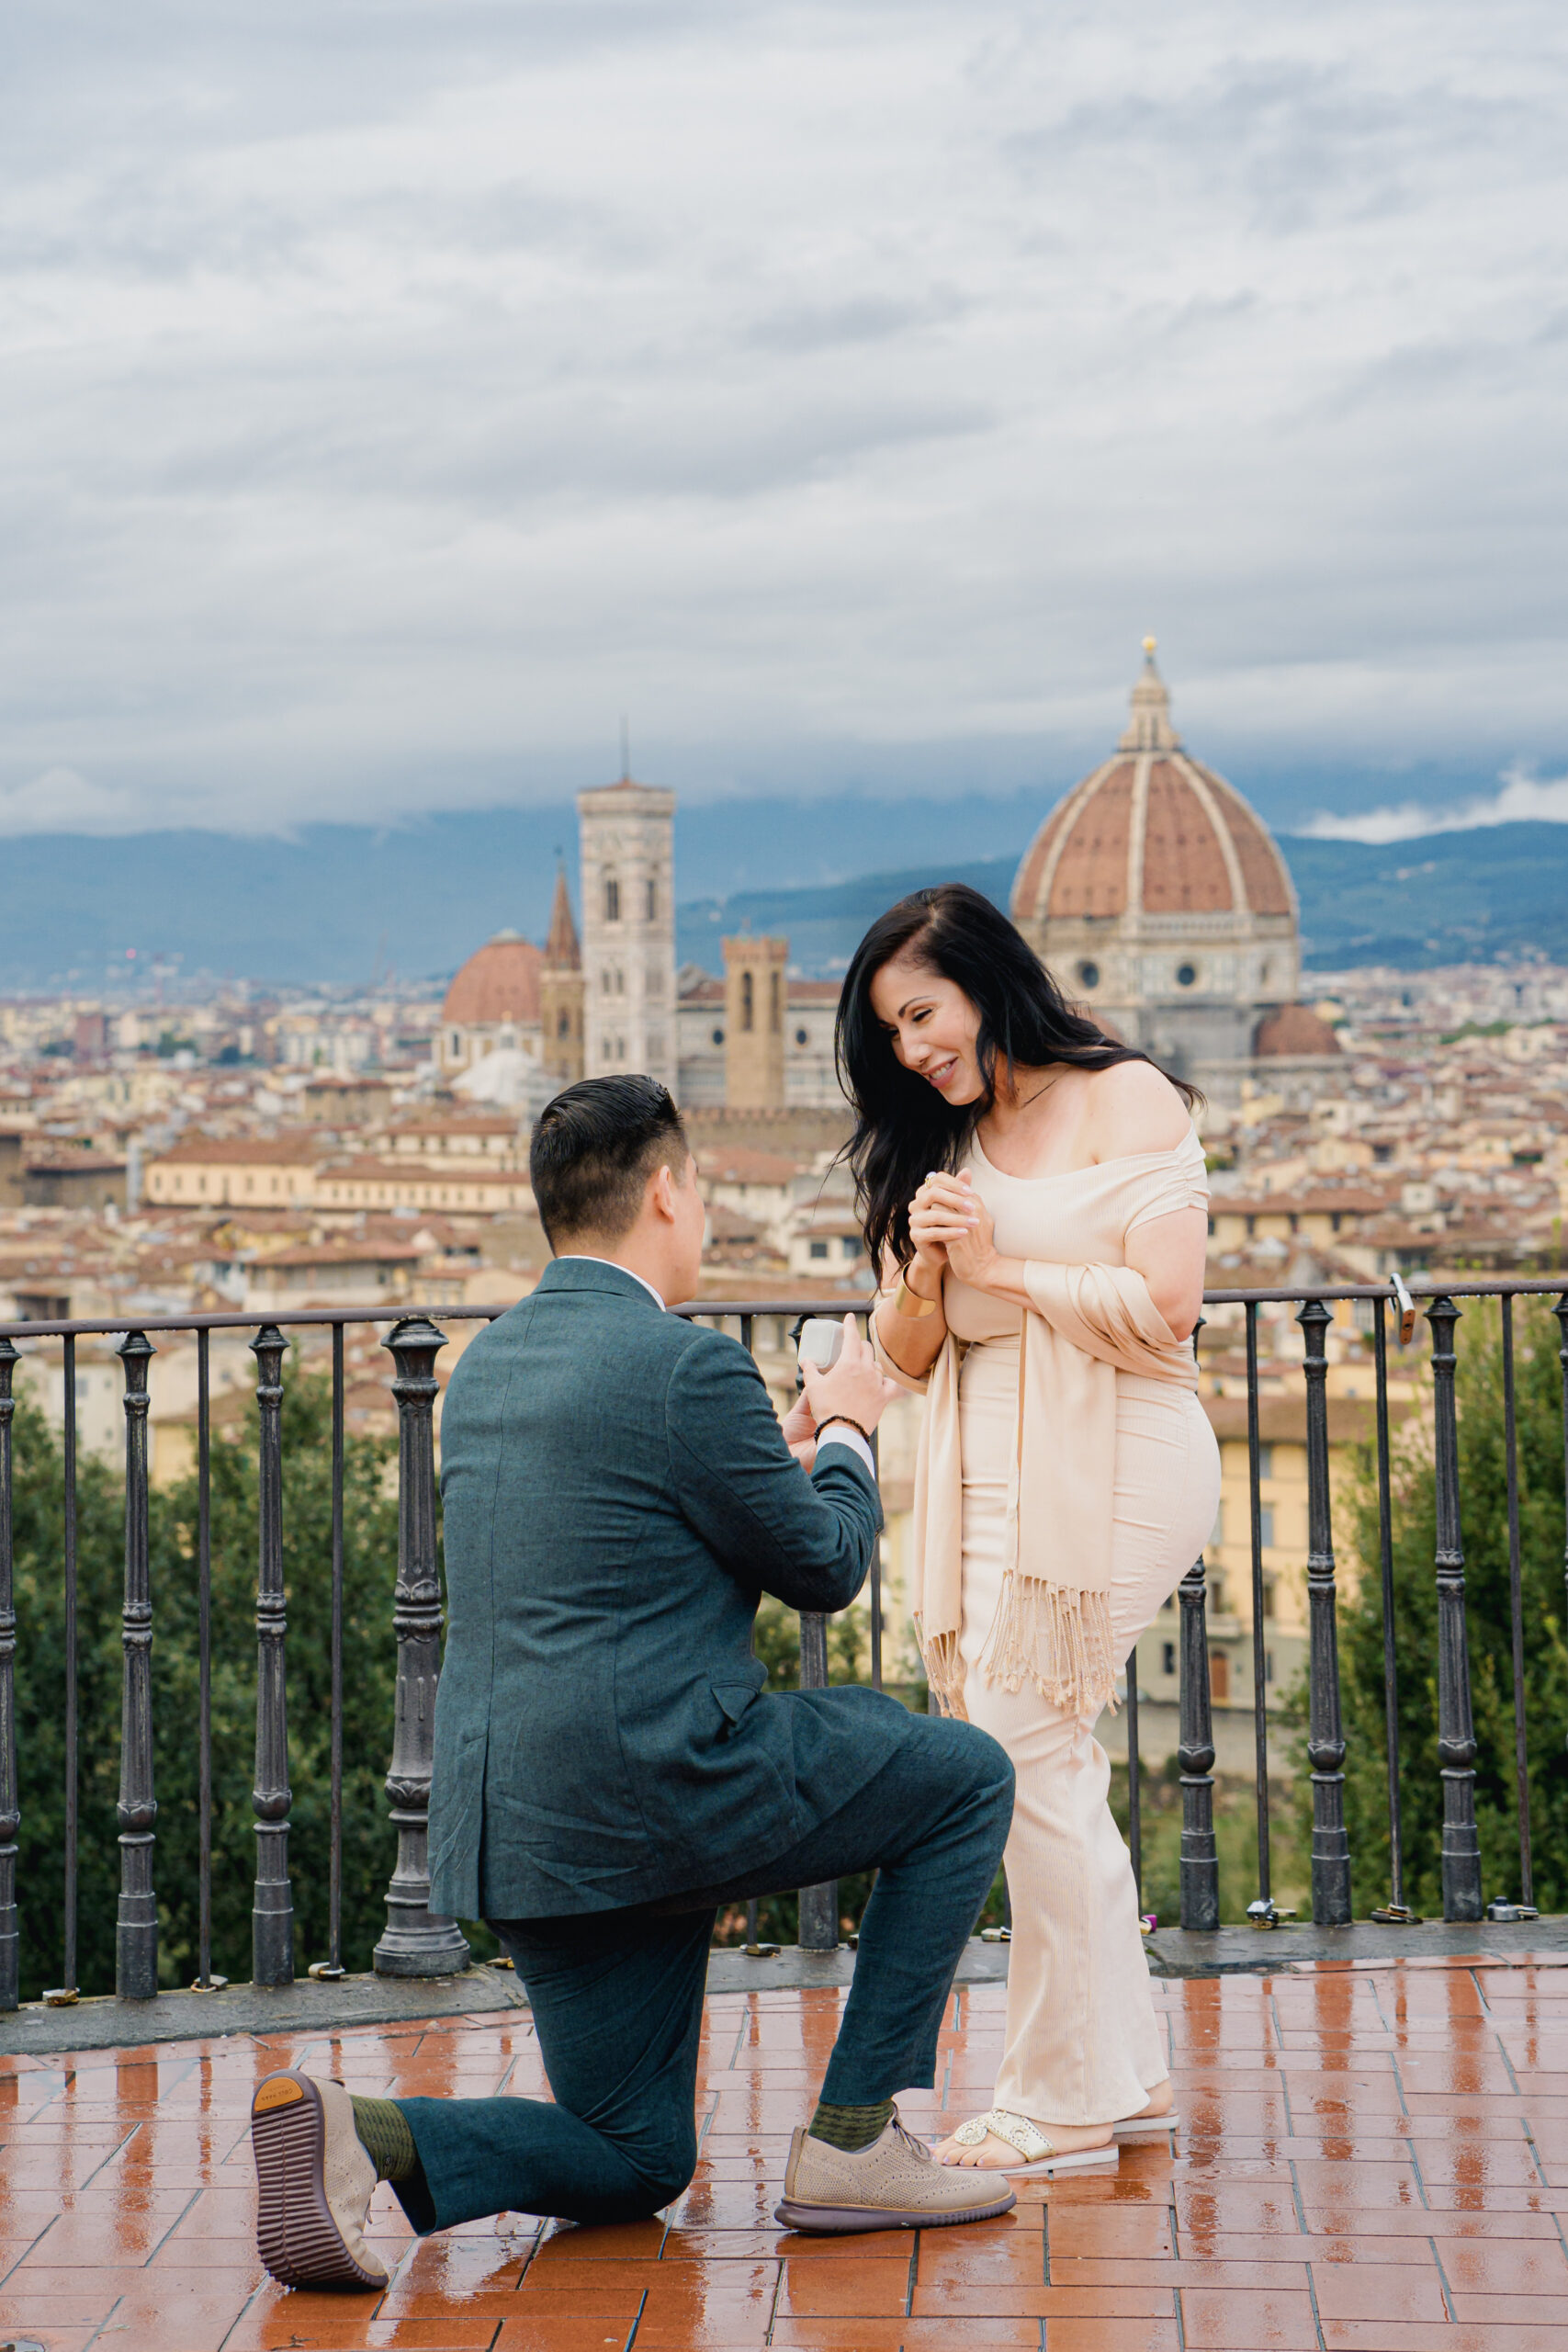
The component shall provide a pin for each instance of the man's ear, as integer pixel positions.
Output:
(661, 1193)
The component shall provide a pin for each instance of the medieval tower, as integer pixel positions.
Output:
(755, 988)
(627, 862)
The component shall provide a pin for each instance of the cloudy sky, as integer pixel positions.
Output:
(394, 395)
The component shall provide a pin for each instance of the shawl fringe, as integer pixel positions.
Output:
(1055, 1636)
(944, 1671)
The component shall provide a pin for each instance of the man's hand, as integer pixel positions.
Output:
(853, 1386)
(800, 1432)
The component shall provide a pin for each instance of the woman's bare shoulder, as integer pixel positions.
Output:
(1134, 1107)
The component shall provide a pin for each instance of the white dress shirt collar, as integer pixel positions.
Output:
(586, 1258)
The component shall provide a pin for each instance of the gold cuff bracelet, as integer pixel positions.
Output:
(916, 1308)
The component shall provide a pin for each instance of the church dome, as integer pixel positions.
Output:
(1151, 832)
(1295, 1029)
(1160, 899)
(498, 982)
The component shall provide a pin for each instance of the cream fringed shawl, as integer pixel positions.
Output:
(1086, 1324)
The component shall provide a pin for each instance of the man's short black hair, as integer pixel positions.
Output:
(594, 1150)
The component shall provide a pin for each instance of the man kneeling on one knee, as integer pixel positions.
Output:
(618, 1496)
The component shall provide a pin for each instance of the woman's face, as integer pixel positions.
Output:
(932, 1026)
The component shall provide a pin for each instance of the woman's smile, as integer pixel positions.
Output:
(940, 1072)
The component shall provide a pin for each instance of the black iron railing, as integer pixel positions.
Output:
(416, 1943)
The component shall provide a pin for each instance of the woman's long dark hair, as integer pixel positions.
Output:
(903, 1129)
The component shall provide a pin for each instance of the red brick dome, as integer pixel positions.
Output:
(498, 982)
(1295, 1029)
(1151, 832)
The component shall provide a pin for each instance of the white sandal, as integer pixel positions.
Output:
(1033, 2148)
(1147, 2127)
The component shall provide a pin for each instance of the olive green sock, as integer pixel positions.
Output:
(385, 2136)
(851, 2127)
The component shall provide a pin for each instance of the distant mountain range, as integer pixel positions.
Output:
(341, 903)
(1446, 899)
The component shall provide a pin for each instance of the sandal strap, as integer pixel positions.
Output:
(1015, 2131)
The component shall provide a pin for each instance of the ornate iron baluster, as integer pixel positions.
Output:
(1456, 1724)
(272, 1914)
(10, 1807)
(1516, 1610)
(1396, 1912)
(1200, 1856)
(205, 1979)
(332, 1965)
(63, 1994)
(136, 1930)
(1261, 1911)
(1200, 1867)
(1326, 1742)
(416, 1940)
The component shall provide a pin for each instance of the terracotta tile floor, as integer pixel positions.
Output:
(1371, 2160)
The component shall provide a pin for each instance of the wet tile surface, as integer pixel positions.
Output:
(1370, 2158)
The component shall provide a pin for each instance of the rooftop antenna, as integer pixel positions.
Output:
(626, 751)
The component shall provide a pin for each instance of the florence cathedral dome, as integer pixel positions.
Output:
(1160, 901)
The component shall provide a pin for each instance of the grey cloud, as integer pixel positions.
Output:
(801, 328)
(390, 395)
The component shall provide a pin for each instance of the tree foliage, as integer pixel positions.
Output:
(369, 1653)
(1483, 1474)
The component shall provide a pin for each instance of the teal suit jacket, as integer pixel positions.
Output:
(618, 1498)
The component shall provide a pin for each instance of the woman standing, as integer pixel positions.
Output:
(1035, 1198)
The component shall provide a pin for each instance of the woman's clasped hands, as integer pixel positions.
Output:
(951, 1227)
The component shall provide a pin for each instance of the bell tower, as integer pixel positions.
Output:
(627, 864)
(755, 988)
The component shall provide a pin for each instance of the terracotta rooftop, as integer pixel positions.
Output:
(422, 1168)
(467, 1123)
(299, 1149)
(744, 1167)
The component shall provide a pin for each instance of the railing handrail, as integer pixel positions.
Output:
(794, 1303)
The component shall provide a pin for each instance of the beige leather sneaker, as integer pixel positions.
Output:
(896, 2184)
(315, 2182)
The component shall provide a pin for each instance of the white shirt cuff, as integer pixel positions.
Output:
(839, 1434)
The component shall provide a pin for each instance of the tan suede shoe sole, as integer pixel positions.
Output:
(314, 2183)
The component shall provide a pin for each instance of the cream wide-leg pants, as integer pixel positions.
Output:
(1082, 2045)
